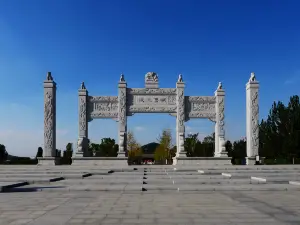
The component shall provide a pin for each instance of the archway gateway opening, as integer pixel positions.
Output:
(150, 99)
(146, 131)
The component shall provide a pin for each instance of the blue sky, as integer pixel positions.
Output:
(94, 41)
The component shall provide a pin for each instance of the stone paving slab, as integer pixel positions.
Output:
(46, 208)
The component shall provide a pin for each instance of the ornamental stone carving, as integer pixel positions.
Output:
(200, 107)
(254, 120)
(205, 106)
(221, 116)
(48, 119)
(210, 99)
(95, 115)
(152, 109)
(142, 100)
(82, 114)
(180, 107)
(151, 76)
(155, 91)
(103, 98)
(122, 105)
(105, 106)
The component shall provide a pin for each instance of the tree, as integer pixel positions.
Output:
(132, 144)
(279, 133)
(239, 149)
(229, 148)
(190, 144)
(67, 154)
(208, 145)
(108, 147)
(134, 149)
(3, 153)
(39, 153)
(163, 151)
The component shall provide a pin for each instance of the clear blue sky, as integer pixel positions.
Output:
(94, 41)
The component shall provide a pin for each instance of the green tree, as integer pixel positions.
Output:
(39, 153)
(229, 148)
(239, 149)
(190, 144)
(67, 154)
(208, 145)
(279, 133)
(134, 150)
(164, 151)
(108, 147)
(3, 153)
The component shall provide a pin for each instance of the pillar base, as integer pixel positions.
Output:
(121, 155)
(78, 154)
(107, 162)
(251, 161)
(47, 161)
(204, 161)
(223, 154)
(182, 155)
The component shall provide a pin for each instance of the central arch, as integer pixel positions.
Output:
(152, 99)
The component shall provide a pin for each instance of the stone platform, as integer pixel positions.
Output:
(149, 195)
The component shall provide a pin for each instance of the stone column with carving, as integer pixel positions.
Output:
(122, 117)
(220, 150)
(252, 118)
(180, 118)
(49, 120)
(83, 141)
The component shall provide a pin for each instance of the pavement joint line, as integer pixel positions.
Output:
(259, 179)
(227, 175)
(294, 182)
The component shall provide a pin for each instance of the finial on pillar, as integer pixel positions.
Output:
(122, 78)
(180, 79)
(82, 86)
(220, 86)
(49, 76)
(252, 77)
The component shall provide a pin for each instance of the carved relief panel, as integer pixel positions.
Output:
(254, 121)
(200, 107)
(102, 107)
(144, 100)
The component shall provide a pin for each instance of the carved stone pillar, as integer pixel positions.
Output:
(252, 119)
(122, 117)
(83, 141)
(220, 149)
(180, 118)
(49, 121)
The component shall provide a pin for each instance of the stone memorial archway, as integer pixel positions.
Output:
(150, 99)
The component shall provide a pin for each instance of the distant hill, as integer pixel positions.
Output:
(149, 148)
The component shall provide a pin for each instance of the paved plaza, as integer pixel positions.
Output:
(38, 195)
